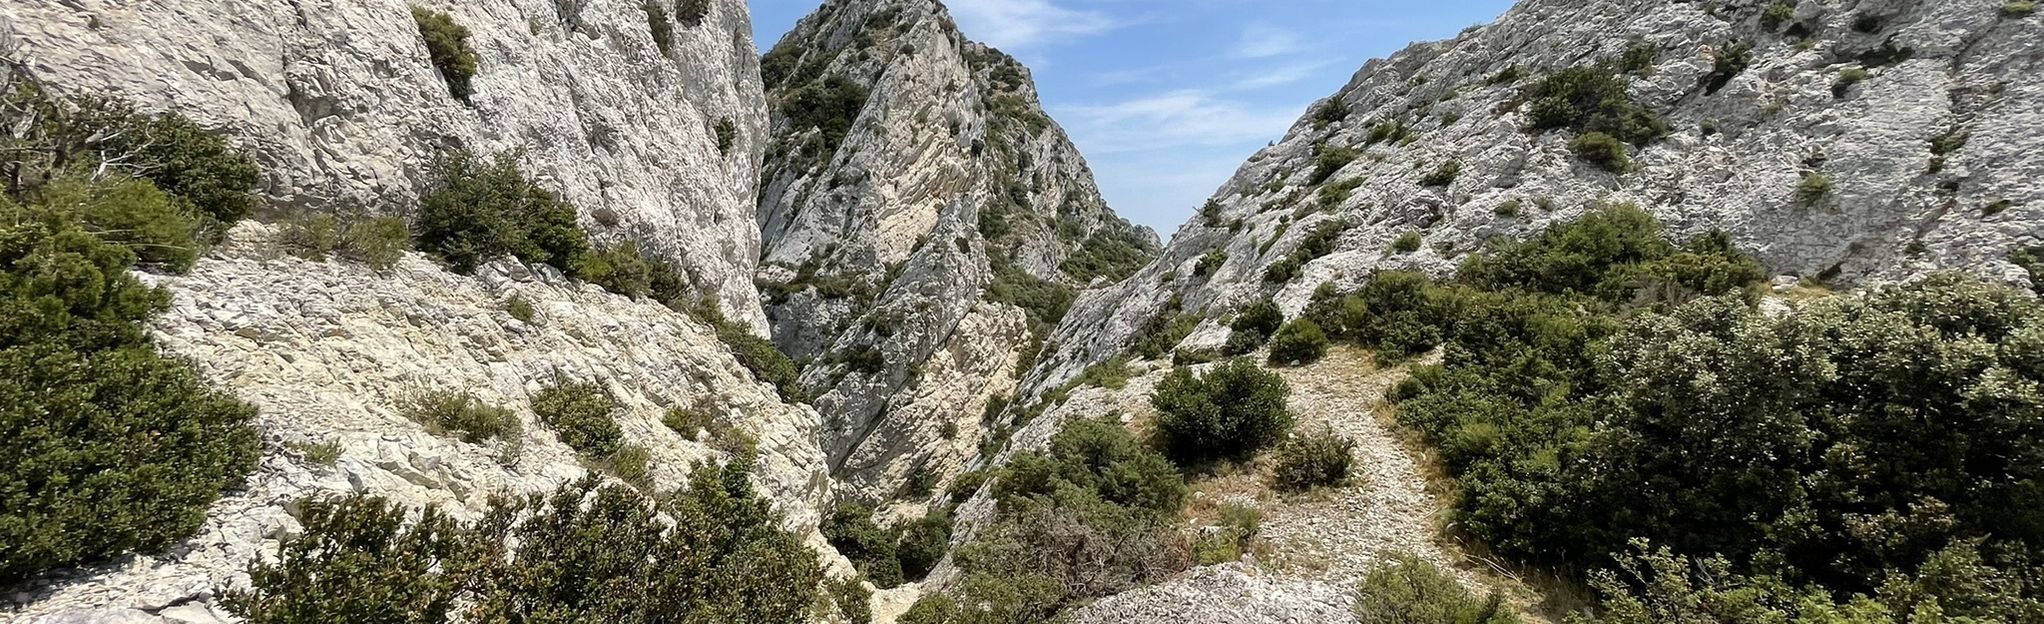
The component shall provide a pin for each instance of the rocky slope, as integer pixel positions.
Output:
(340, 104)
(922, 219)
(1842, 142)
(330, 351)
(1913, 119)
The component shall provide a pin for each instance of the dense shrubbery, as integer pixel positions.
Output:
(888, 556)
(462, 415)
(1592, 99)
(476, 211)
(1253, 326)
(1298, 342)
(1209, 262)
(586, 550)
(1091, 517)
(1230, 413)
(106, 446)
(1587, 397)
(1602, 150)
(582, 414)
(1407, 589)
(829, 106)
(375, 241)
(1110, 252)
(447, 46)
(1330, 161)
(1316, 244)
(1309, 460)
(1443, 175)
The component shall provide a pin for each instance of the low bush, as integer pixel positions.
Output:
(1406, 243)
(1592, 99)
(1409, 589)
(829, 106)
(1045, 301)
(1310, 460)
(1252, 326)
(1443, 175)
(2019, 8)
(1226, 541)
(1602, 150)
(448, 48)
(585, 548)
(1091, 517)
(106, 446)
(888, 556)
(691, 12)
(1314, 245)
(1846, 79)
(476, 211)
(582, 414)
(1813, 188)
(689, 422)
(520, 309)
(1731, 60)
(661, 29)
(1162, 333)
(1775, 15)
(1230, 413)
(1330, 161)
(1298, 342)
(378, 242)
(727, 135)
(1209, 263)
(1388, 131)
(462, 415)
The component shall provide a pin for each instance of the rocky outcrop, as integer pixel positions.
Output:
(922, 219)
(1913, 119)
(330, 351)
(339, 103)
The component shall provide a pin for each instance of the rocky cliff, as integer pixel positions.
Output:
(340, 104)
(1841, 142)
(924, 222)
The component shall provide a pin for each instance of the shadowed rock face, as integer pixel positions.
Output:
(913, 189)
(341, 106)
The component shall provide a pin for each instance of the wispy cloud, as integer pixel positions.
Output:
(1184, 118)
(1265, 41)
(1017, 24)
(1267, 77)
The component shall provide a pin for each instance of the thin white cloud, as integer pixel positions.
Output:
(1278, 76)
(1266, 41)
(1020, 24)
(1186, 118)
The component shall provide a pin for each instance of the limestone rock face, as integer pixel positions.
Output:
(914, 193)
(330, 351)
(1920, 115)
(338, 102)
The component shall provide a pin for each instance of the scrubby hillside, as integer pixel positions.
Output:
(925, 223)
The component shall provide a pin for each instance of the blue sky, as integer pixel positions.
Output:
(1166, 98)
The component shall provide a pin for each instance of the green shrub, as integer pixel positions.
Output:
(132, 214)
(583, 414)
(1209, 263)
(106, 446)
(1162, 333)
(830, 106)
(756, 354)
(1229, 413)
(727, 135)
(657, 24)
(586, 548)
(1639, 58)
(1388, 131)
(520, 309)
(1408, 589)
(462, 414)
(1813, 188)
(1603, 150)
(1777, 14)
(1731, 60)
(1091, 517)
(322, 454)
(1846, 79)
(1330, 161)
(447, 46)
(2018, 8)
(1592, 99)
(1332, 195)
(1253, 326)
(1330, 112)
(690, 423)
(852, 600)
(1226, 541)
(1443, 175)
(475, 211)
(691, 12)
(1298, 342)
(888, 556)
(1310, 460)
(923, 543)
(1113, 253)
(1315, 245)
(1407, 243)
(1045, 301)
(378, 242)
(1508, 75)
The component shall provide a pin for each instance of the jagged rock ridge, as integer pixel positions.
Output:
(914, 195)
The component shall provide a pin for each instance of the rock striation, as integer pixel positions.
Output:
(924, 221)
(340, 104)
